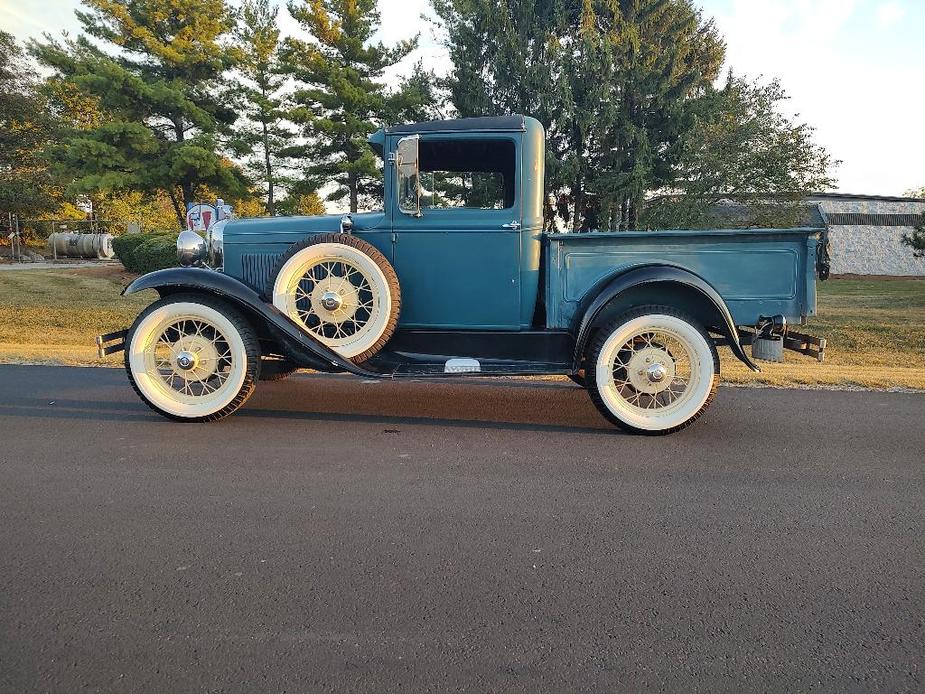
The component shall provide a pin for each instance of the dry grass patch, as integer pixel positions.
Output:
(53, 316)
(876, 338)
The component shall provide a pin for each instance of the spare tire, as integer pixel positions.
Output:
(341, 291)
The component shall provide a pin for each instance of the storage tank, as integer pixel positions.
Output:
(71, 245)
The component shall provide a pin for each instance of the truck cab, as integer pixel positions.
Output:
(466, 220)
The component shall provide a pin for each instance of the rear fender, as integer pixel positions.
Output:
(666, 282)
(301, 347)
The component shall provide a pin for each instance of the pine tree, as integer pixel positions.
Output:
(611, 80)
(419, 98)
(157, 71)
(263, 134)
(340, 96)
(26, 127)
(667, 58)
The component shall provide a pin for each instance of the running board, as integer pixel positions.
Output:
(464, 366)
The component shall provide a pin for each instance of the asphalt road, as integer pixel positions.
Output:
(472, 535)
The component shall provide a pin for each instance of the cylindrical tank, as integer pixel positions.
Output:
(71, 245)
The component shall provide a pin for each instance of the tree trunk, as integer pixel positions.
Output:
(187, 188)
(578, 202)
(635, 207)
(353, 185)
(268, 165)
(185, 185)
(181, 216)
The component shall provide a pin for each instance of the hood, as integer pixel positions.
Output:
(292, 229)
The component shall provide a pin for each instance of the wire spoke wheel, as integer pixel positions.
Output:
(334, 300)
(653, 372)
(341, 291)
(192, 358)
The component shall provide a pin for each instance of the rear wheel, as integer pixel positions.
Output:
(192, 358)
(653, 370)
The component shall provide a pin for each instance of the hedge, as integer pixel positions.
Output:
(143, 253)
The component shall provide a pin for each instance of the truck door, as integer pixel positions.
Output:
(456, 219)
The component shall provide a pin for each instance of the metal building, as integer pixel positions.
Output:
(866, 233)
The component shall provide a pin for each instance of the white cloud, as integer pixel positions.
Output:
(33, 19)
(890, 13)
(837, 82)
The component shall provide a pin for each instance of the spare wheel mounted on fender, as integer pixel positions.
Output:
(342, 291)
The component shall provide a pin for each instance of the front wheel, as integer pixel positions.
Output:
(653, 370)
(192, 358)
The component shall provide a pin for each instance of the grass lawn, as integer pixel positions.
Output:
(876, 337)
(53, 316)
(875, 327)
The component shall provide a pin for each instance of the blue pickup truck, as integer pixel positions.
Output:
(462, 274)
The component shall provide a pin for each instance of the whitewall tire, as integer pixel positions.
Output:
(192, 358)
(653, 370)
(341, 291)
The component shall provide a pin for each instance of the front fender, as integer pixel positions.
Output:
(305, 348)
(612, 287)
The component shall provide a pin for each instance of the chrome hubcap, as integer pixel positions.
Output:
(656, 373)
(186, 361)
(652, 370)
(331, 301)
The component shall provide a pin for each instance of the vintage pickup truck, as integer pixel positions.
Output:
(456, 276)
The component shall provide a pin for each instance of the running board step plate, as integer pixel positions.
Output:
(459, 366)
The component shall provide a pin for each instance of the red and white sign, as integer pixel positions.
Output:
(200, 217)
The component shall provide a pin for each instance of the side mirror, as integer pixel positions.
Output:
(407, 165)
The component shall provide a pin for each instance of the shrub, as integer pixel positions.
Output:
(127, 249)
(124, 247)
(157, 253)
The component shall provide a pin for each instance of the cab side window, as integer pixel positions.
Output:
(474, 174)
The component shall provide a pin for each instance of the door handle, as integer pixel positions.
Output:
(515, 225)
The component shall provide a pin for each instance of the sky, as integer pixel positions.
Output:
(854, 69)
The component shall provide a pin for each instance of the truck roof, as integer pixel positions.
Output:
(502, 123)
(497, 124)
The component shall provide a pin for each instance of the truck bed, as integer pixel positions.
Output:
(757, 271)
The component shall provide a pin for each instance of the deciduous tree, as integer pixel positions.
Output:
(917, 238)
(302, 204)
(743, 146)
